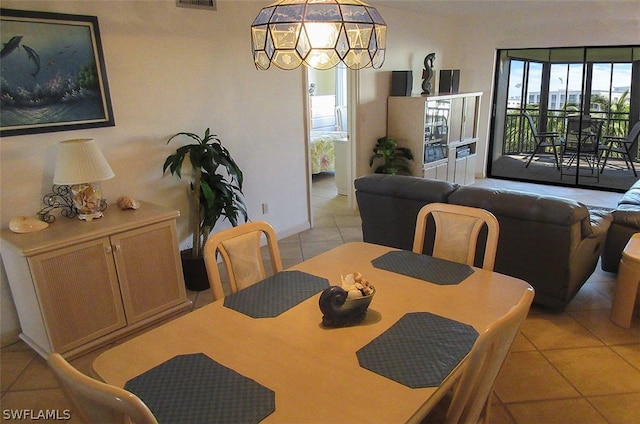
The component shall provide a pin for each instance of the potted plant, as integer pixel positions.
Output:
(212, 195)
(396, 159)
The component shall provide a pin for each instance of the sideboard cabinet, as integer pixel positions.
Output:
(78, 285)
(441, 131)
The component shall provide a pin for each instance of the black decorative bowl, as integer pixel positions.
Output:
(340, 311)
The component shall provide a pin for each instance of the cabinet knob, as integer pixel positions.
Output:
(107, 250)
(117, 248)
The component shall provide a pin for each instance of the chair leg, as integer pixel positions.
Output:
(606, 157)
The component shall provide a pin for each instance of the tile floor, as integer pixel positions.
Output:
(566, 367)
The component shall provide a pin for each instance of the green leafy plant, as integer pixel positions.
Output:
(395, 159)
(213, 195)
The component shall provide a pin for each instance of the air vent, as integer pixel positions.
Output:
(197, 4)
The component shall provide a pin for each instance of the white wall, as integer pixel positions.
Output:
(174, 69)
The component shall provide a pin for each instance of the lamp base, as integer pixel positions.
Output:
(87, 198)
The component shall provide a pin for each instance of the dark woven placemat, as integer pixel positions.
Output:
(196, 389)
(419, 350)
(275, 294)
(423, 267)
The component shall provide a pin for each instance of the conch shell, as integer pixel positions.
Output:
(26, 224)
(126, 202)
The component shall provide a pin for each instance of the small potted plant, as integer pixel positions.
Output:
(212, 196)
(395, 159)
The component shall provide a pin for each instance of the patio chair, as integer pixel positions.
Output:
(240, 250)
(98, 402)
(457, 230)
(622, 146)
(582, 141)
(543, 140)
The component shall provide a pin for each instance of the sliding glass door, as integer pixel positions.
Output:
(555, 111)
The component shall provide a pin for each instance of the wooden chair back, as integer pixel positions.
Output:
(471, 400)
(239, 248)
(98, 402)
(457, 231)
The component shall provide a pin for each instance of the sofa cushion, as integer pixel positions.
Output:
(405, 187)
(524, 206)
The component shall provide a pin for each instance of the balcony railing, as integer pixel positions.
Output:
(519, 140)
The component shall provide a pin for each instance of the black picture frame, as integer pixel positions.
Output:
(53, 73)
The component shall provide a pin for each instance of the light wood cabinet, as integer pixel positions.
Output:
(441, 131)
(78, 285)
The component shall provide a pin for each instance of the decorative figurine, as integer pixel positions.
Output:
(427, 74)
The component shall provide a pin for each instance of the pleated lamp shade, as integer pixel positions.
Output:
(80, 161)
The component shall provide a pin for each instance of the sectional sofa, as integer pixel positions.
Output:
(552, 243)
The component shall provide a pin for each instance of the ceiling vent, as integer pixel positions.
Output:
(197, 4)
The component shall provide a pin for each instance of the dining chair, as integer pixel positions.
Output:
(543, 140)
(622, 146)
(240, 250)
(98, 402)
(457, 229)
(471, 397)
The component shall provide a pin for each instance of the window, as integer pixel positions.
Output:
(552, 85)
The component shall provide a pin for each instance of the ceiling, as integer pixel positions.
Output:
(549, 10)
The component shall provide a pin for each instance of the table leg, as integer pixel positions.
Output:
(626, 292)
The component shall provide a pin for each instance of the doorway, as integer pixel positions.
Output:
(329, 144)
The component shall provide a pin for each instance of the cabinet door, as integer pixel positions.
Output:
(149, 269)
(78, 291)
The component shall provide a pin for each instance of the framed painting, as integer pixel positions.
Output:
(53, 74)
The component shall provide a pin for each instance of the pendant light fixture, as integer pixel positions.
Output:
(318, 33)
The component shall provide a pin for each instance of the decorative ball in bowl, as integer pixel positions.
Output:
(347, 304)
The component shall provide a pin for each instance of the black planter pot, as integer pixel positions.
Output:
(195, 272)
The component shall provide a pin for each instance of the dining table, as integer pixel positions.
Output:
(262, 354)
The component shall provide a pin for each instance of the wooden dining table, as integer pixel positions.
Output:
(313, 370)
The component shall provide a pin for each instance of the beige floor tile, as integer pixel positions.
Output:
(555, 330)
(589, 297)
(595, 370)
(310, 250)
(320, 234)
(14, 362)
(563, 411)
(498, 415)
(630, 353)
(36, 376)
(351, 234)
(528, 376)
(521, 344)
(619, 409)
(599, 323)
(290, 250)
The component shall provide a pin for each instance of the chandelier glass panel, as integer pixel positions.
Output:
(318, 33)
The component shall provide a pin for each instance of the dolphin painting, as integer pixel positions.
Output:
(33, 56)
(11, 45)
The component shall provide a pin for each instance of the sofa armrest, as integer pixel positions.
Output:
(600, 223)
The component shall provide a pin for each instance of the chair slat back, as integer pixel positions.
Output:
(97, 402)
(457, 231)
(471, 395)
(239, 248)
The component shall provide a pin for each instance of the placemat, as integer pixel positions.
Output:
(275, 294)
(196, 389)
(423, 267)
(419, 350)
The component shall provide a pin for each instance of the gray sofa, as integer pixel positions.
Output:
(552, 243)
(626, 222)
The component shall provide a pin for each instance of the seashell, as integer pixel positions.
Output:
(126, 202)
(26, 224)
(340, 310)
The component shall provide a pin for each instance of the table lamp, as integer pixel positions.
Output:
(81, 165)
